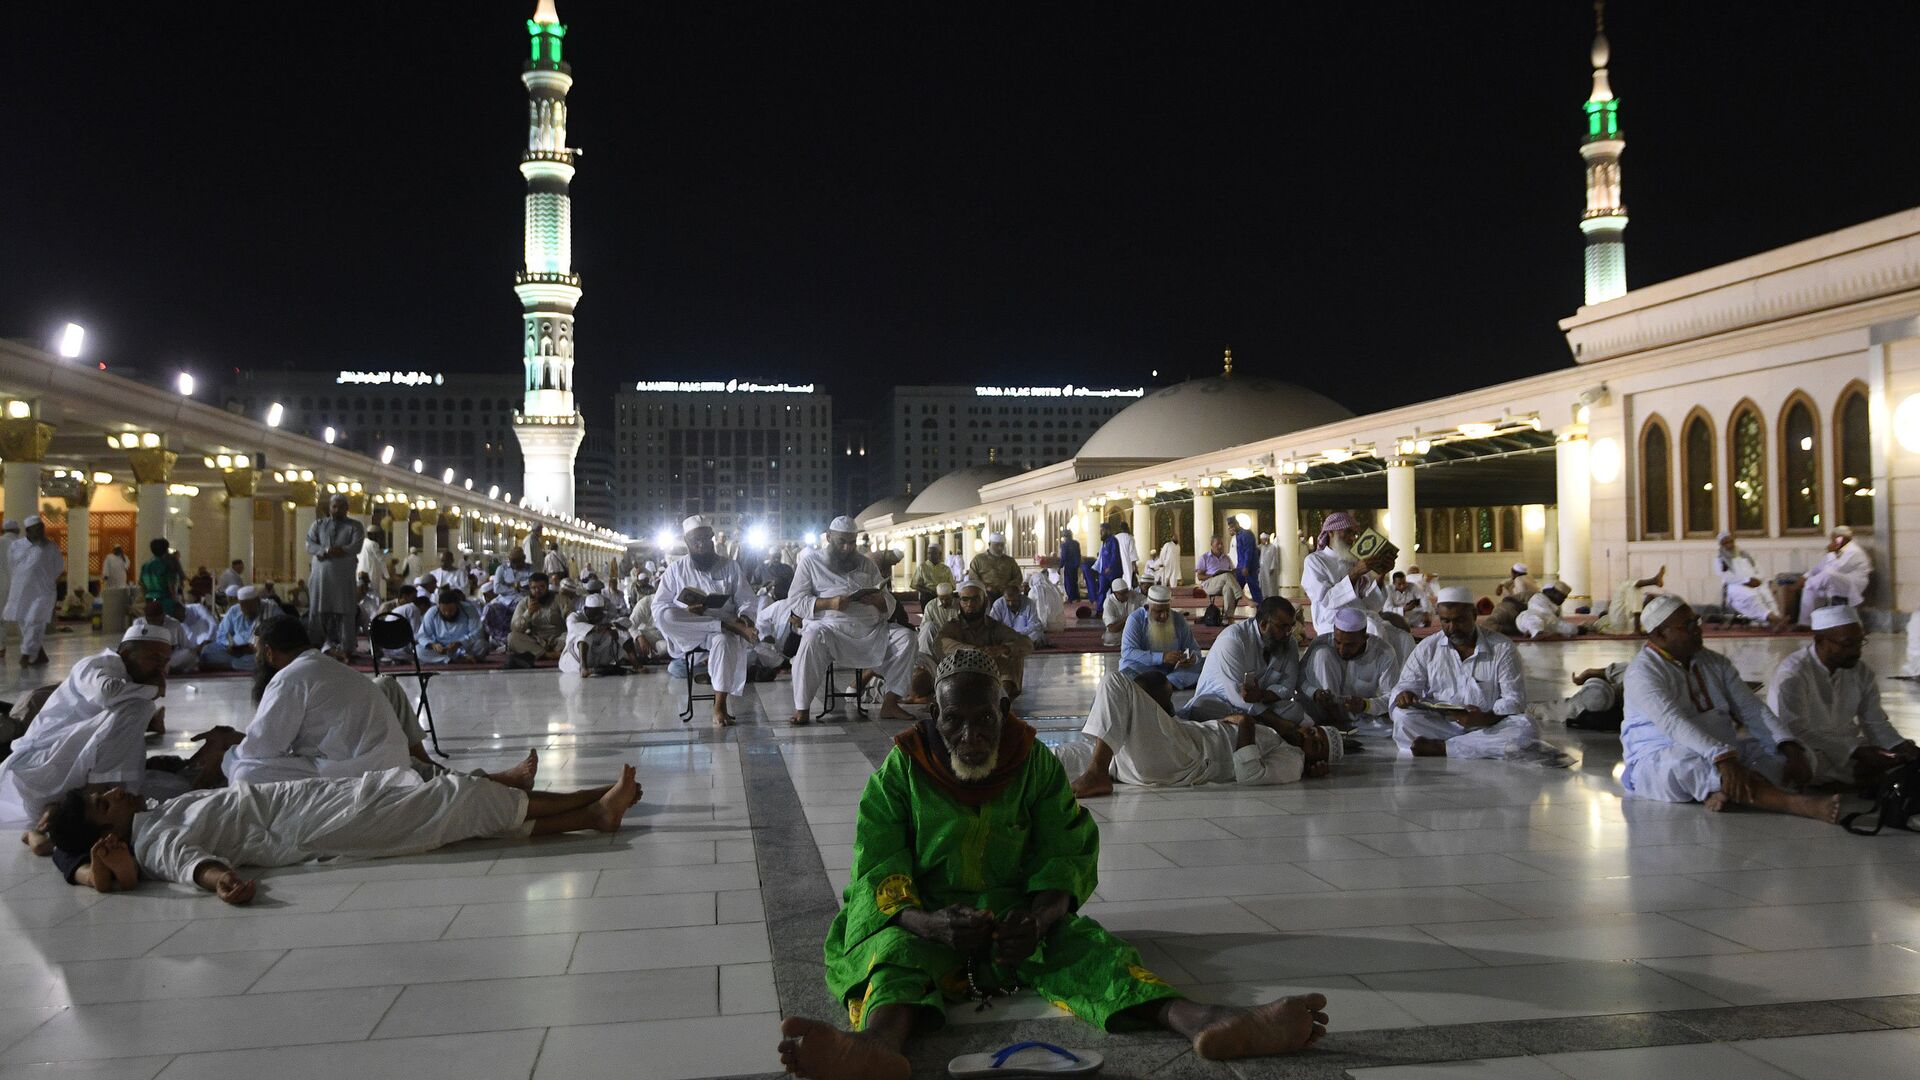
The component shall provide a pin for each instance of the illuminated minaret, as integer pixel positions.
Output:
(548, 425)
(1605, 219)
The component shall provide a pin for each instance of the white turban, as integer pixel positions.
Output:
(1519, 568)
(843, 524)
(694, 523)
(246, 592)
(1159, 594)
(141, 630)
(1659, 610)
(1352, 620)
(1455, 594)
(1826, 618)
(231, 592)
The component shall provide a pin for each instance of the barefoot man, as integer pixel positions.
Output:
(201, 836)
(1831, 700)
(683, 612)
(1678, 736)
(1475, 675)
(940, 901)
(848, 610)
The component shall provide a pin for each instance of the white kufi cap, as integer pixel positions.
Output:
(693, 523)
(9, 525)
(1352, 620)
(595, 600)
(1519, 568)
(843, 524)
(943, 589)
(1159, 594)
(231, 592)
(141, 630)
(1826, 618)
(32, 520)
(1659, 610)
(1455, 594)
(246, 592)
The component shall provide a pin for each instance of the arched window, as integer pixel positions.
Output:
(1799, 466)
(1853, 457)
(1656, 480)
(1696, 474)
(1747, 471)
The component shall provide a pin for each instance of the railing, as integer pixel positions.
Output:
(565, 157)
(545, 277)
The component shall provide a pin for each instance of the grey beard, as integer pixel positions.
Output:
(971, 773)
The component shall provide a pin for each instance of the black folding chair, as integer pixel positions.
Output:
(829, 695)
(686, 714)
(393, 632)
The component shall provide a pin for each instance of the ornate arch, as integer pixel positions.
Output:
(1700, 507)
(1795, 520)
(1746, 495)
(1849, 509)
(1652, 527)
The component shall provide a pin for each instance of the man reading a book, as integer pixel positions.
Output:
(698, 606)
(848, 612)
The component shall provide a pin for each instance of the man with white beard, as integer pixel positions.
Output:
(1333, 579)
(1157, 638)
(1840, 578)
(1747, 592)
(848, 609)
(36, 564)
(702, 574)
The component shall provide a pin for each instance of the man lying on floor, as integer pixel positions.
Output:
(1135, 738)
(970, 856)
(200, 837)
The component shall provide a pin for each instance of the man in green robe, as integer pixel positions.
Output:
(970, 857)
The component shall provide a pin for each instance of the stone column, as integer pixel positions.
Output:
(23, 446)
(77, 491)
(1202, 522)
(1572, 492)
(1143, 529)
(1533, 537)
(430, 535)
(179, 519)
(241, 483)
(152, 468)
(304, 497)
(1401, 509)
(1286, 532)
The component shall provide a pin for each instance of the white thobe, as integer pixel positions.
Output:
(373, 563)
(450, 577)
(1831, 713)
(318, 717)
(1026, 622)
(1113, 616)
(1407, 602)
(92, 730)
(1048, 599)
(1129, 557)
(113, 572)
(1749, 601)
(374, 816)
(959, 567)
(201, 622)
(1328, 588)
(1677, 720)
(1152, 748)
(229, 577)
(1370, 676)
(186, 655)
(727, 652)
(1166, 569)
(1270, 569)
(510, 582)
(857, 636)
(1841, 575)
(933, 618)
(35, 571)
(1488, 678)
(1542, 618)
(1239, 651)
(606, 649)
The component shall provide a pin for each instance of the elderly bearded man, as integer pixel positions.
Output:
(1678, 735)
(970, 856)
(976, 628)
(1840, 578)
(1831, 702)
(848, 612)
(1334, 579)
(994, 569)
(1157, 638)
(687, 619)
(1252, 669)
(334, 542)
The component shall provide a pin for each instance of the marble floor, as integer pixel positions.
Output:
(1464, 918)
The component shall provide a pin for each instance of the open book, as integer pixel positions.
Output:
(695, 598)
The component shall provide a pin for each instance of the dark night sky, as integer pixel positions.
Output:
(1379, 201)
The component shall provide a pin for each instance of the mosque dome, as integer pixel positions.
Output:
(892, 504)
(959, 489)
(1200, 416)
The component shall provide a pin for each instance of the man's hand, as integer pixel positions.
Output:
(231, 888)
(220, 739)
(964, 929)
(1475, 718)
(1405, 699)
(1354, 705)
(696, 609)
(1015, 938)
(1799, 770)
(1323, 698)
(1580, 678)
(1379, 564)
(100, 863)
(1736, 780)
(1753, 583)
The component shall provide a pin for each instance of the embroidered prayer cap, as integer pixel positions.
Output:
(963, 661)
(245, 592)
(1659, 610)
(1159, 594)
(141, 630)
(1351, 620)
(843, 524)
(595, 600)
(1336, 746)
(694, 524)
(1826, 618)
(1455, 594)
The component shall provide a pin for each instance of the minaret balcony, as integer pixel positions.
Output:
(543, 277)
(565, 157)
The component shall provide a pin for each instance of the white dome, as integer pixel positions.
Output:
(1200, 416)
(958, 489)
(892, 504)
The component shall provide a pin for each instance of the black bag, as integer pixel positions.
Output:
(1212, 616)
(1896, 802)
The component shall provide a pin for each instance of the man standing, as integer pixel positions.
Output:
(539, 626)
(451, 631)
(848, 610)
(371, 560)
(1830, 701)
(975, 628)
(1678, 736)
(334, 542)
(684, 612)
(1106, 565)
(234, 576)
(1841, 577)
(9, 536)
(1120, 605)
(557, 568)
(1334, 579)
(1218, 579)
(35, 566)
(1474, 678)
(114, 570)
(1349, 675)
(928, 578)
(1269, 565)
(1253, 669)
(1129, 551)
(994, 569)
(314, 716)
(1747, 592)
(1157, 638)
(232, 646)
(414, 566)
(1070, 564)
(1246, 559)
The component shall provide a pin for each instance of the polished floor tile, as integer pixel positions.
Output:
(1581, 988)
(1706, 1061)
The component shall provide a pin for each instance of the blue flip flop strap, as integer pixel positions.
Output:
(1000, 1058)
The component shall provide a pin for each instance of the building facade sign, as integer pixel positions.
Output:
(1067, 391)
(731, 386)
(390, 378)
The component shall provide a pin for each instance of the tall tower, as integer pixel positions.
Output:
(548, 424)
(1605, 219)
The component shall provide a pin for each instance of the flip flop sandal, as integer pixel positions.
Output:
(1027, 1059)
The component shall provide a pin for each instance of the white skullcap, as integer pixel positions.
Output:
(1659, 610)
(843, 524)
(969, 583)
(1519, 568)
(245, 592)
(1724, 536)
(1159, 594)
(943, 589)
(426, 579)
(1844, 530)
(9, 525)
(1455, 594)
(1352, 620)
(595, 600)
(34, 519)
(141, 630)
(1560, 587)
(996, 538)
(231, 592)
(1826, 618)
(694, 523)
(1120, 585)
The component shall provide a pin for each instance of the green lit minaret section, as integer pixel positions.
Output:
(1605, 221)
(548, 424)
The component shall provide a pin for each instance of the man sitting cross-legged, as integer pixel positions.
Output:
(1475, 673)
(701, 574)
(595, 646)
(315, 716)
(1157, 638)
(1253, 668)
(1018, 611)
(848, 610)
(970, 856)
(1678, 736)
(1121, 602)
(1136, 739)
(539, 626)
(451, 631)
(1349, 675)
(975, 628)
(1831, 703)
(202, 836)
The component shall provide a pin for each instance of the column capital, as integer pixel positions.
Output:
(24, 438)
(75, 487)
(429, 516)
(304, 493)
(1285, 478)
(241, 482)
(1570, 433)
(1402, 462)
(152, 464)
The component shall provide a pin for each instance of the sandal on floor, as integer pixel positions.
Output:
(1026, 1059)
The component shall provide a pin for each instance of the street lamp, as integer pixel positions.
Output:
(330, 435)
(72, 337)
(185, 383)
(386, 456)
(275, 413)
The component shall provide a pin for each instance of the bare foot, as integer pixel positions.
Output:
(721, 719)
(1090, 786)
(822, 1052)
(37, 842)
(891, 710)
(1429, 747)
(1278, 1027)
(616, 802)
(800, 718)
(1818, 807)
(521, 775)
(1715, 803)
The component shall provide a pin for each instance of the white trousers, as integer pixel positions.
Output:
(1225, 589)
(1821, 589)
(1499, 741)
(1149, 747)
(184, 661)
(1214, 707)
(727, 652)
(1677, 774)
(1752, 601)
(816, 652)
(34, 617)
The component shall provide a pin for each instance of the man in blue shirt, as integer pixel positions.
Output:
(1157, 638)
(1246, 559)
(451, 631)
(1070, 564)
(232, 643)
